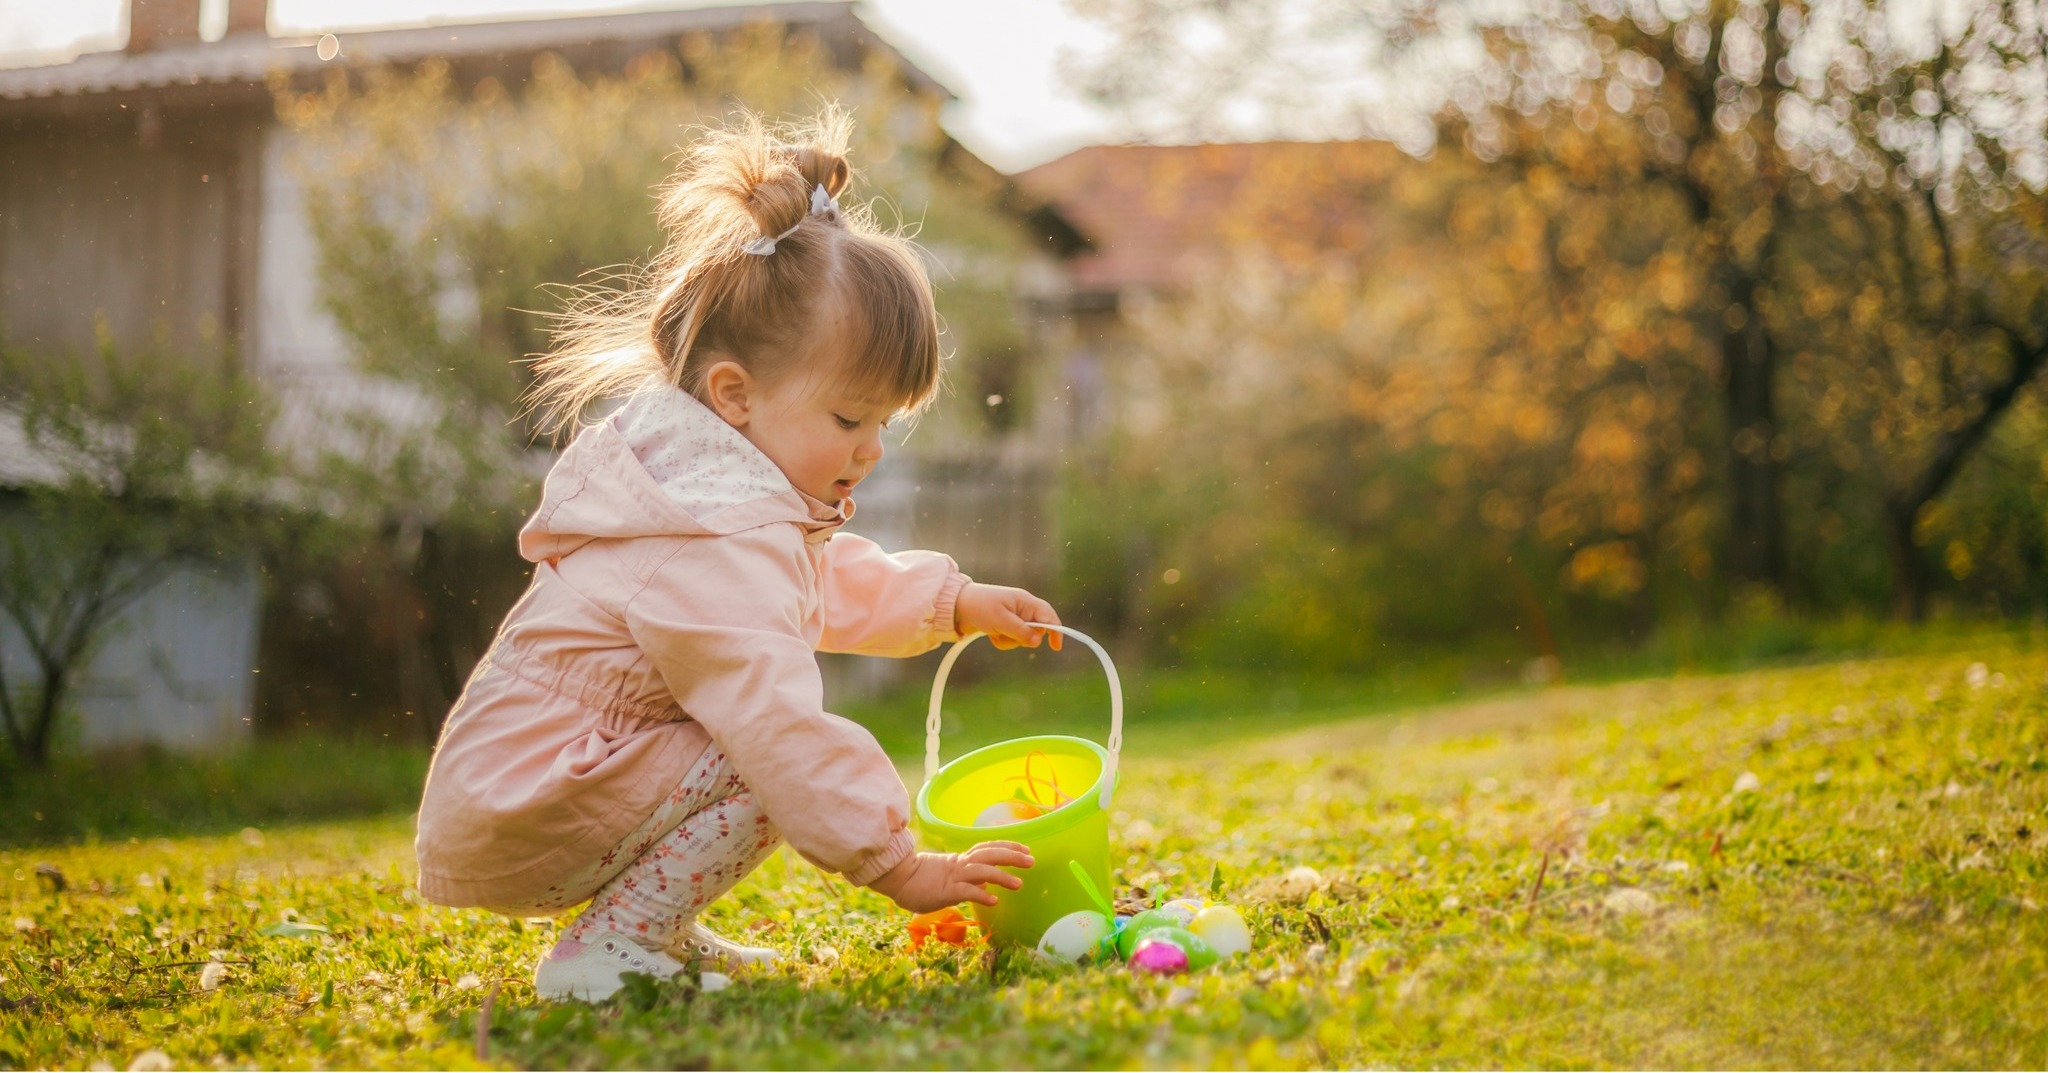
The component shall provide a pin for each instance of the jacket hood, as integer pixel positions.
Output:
(665, 465)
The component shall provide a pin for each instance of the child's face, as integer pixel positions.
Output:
(823, 438)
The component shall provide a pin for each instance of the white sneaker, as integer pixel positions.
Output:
(698, 943)
(593, 974)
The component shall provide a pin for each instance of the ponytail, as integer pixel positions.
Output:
(707, 293)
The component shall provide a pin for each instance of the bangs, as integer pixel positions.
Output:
(893, 346)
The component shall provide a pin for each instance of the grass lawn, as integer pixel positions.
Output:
(1834, 865)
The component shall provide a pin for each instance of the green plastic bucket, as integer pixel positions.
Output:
(1046, 769)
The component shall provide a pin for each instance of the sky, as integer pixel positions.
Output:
(1002, 59)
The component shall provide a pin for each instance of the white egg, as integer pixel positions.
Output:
(1074, 937)
(1223, 928)
(1006, 812)
(1182, 910)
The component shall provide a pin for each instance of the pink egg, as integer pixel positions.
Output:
(1159, 957)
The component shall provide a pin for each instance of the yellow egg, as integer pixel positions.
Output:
(1223, 928)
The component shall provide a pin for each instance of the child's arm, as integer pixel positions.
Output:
(905, 604)
(722, 620)
(878, 604)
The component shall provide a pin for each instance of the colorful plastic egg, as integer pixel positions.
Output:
(1159, 957)
(1200, 954)
(1137, 928)
(1007, 811)
(1117, 924)
(1182, 910)
(1224, 928)
(1074, 937)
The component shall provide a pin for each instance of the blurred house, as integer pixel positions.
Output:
(1167, 224)
(177, 670)
(147, 189)
(1160, 218)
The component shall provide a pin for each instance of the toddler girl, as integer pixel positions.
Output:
(649, 722)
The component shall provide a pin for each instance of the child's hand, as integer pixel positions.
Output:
(928, 881)
(1001, 612)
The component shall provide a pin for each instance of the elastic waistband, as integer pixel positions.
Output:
(599, 697)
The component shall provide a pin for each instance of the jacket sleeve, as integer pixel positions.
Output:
(878, 604)
(722, 621)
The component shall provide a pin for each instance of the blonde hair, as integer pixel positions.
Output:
(706, 295)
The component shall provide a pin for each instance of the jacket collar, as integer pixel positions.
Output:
(664, 465)
(708, 468)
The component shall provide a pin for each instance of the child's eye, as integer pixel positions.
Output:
(846, 423)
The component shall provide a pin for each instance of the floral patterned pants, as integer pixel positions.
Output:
(702, 840)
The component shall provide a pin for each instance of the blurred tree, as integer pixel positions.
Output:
(1468, 396)
(1991, 525)
(1919, 333)
(1758, 147)
(454, 220)
(1923, 291)
(137, 462)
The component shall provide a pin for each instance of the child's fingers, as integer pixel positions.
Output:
(979, 895)
(980, 874)
(1011, 856)
(1040, 611)
(1030, 609)
(982, 851)
(1014, 616)
(983, 864)
(1010, 631)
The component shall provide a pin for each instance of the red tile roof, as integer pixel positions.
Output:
(1154, 212)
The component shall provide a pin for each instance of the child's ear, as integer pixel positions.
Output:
(730, 390)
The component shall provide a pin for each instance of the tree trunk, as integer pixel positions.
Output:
(1909, 571)
(408, 608)
(1533, 614)
(35, 751)
(1910, 580)
(1756, 542)
(1642, 604)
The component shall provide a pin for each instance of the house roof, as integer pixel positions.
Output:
(1156, 212)
(240, 65)
(248, 59)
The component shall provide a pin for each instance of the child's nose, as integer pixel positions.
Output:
(870, 449)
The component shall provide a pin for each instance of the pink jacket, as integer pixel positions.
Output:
(681, 586)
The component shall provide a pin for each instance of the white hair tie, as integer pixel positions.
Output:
(822, 204)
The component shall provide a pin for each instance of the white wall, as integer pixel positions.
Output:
(178, 667)
(291, 337)
(175, 668)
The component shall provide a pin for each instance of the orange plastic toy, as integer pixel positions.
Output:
(1032, 783)
(948, 925)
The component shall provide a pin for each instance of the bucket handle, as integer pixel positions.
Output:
(1116, 705)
